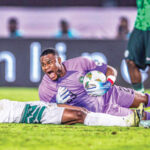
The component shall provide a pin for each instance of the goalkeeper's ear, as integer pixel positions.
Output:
(59, 60)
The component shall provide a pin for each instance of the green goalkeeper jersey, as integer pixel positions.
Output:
(143, 15)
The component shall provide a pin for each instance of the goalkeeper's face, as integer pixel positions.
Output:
(52, 66)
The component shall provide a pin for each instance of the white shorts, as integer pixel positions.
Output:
(30, 112)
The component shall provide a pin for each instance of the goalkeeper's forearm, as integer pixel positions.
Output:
(111, 71)
(111, 74)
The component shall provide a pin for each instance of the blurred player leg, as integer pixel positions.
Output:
(135, 76)
(136, 58)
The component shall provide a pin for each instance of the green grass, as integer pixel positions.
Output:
(65, 137)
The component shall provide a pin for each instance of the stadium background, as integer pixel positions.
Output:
(97, 22)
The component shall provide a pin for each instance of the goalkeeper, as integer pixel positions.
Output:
(52, 113)
(61, 84)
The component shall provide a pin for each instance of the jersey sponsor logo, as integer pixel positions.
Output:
(32, 114)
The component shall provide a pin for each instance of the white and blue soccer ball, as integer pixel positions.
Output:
(93, 76)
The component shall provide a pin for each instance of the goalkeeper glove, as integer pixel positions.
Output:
(97, 88)
(64, 95)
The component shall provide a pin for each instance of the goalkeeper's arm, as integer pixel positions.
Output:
(111, 74)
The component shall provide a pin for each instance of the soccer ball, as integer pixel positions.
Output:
(93, 76)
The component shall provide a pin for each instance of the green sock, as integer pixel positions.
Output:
(138, 87)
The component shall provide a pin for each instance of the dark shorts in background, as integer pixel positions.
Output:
(138, 49)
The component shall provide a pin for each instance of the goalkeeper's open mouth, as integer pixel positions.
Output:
(52, 75)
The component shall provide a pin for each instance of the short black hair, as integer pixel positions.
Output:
(13, 21)
(63, 22)
(49, 51)
(124, 19)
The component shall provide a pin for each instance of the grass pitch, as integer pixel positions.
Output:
(65, 137)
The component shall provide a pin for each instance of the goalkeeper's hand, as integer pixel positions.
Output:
(64, 95)
(97, 88)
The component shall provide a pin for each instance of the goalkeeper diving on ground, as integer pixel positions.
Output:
(62, 83)
(67, 99)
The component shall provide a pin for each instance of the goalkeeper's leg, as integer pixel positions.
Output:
(71, 116)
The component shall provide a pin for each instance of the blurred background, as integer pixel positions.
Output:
(96, 29)
(101, 19)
